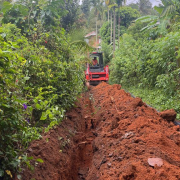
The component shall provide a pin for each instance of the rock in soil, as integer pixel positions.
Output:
(155, 162)
(109, 135)
(169, 115)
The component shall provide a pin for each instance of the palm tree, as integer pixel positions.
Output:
(110, 5)
(113, 6)
(119, 3)
(107, 3)
(145, 6)
(114, 30)
(101, 9)
(111, 26)
(96, 5)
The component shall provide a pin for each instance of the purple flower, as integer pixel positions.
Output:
(25, 106)
(28, 121)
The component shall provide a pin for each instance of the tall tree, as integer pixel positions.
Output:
(111, 26)
(108, 2)
(114, 30)
(113, 6)
(145, 7)
(119, 3)
(85, 7)
(26, 14)
(127, 15)
(110, 7)
(72, 9)
(96, 7)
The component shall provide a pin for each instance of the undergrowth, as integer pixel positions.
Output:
(156, 98)
(39, 81)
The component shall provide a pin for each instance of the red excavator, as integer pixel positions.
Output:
(96, 72)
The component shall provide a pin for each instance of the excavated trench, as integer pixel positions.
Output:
(109, 135)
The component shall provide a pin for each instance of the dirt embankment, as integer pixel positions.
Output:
(109, 136)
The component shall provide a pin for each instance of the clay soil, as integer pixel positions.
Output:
(109, 135)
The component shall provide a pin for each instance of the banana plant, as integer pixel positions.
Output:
(170, 8)
(168, 13)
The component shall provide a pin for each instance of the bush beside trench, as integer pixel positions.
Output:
(38, 81)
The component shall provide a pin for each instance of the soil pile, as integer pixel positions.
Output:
(109, 136)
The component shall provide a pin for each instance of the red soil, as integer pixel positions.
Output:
(109, 136)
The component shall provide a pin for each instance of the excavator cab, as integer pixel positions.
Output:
(96, 73)
(99, 67)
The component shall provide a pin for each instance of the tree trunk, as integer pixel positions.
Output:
(108, 14)
(119, 21)
(96, 31)
(114, 32)
(111, 29)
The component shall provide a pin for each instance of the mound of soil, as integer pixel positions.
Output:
(109, 136)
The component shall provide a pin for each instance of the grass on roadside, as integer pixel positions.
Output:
(156, 98)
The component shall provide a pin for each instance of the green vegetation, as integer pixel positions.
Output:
(42, 54)
(156, 98)
(40, 75)
(37, 86)
(146, 57)
(147, 62)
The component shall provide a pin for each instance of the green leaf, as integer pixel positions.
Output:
(3, 35)
(40, 160)
(44, 116)
(30, 158)
(51, 115)
(19, 176)
(1, 173)
(38, 106)
(159, 9)
(6, 6)
(26, 78)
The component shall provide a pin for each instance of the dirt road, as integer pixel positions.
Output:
(109, 135)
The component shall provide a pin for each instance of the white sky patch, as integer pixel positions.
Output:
(154, 2)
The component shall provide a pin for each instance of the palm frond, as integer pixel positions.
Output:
(168, 11)
(146, 18)
(163, 26)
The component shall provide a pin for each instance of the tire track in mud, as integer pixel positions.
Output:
(109, 136)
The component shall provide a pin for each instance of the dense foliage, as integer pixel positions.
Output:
(42, 52)
(37, 86)
(40, 75)
(150, 59)
(127, 14)
(149, 64)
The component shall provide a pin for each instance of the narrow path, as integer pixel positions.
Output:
(109, 136)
